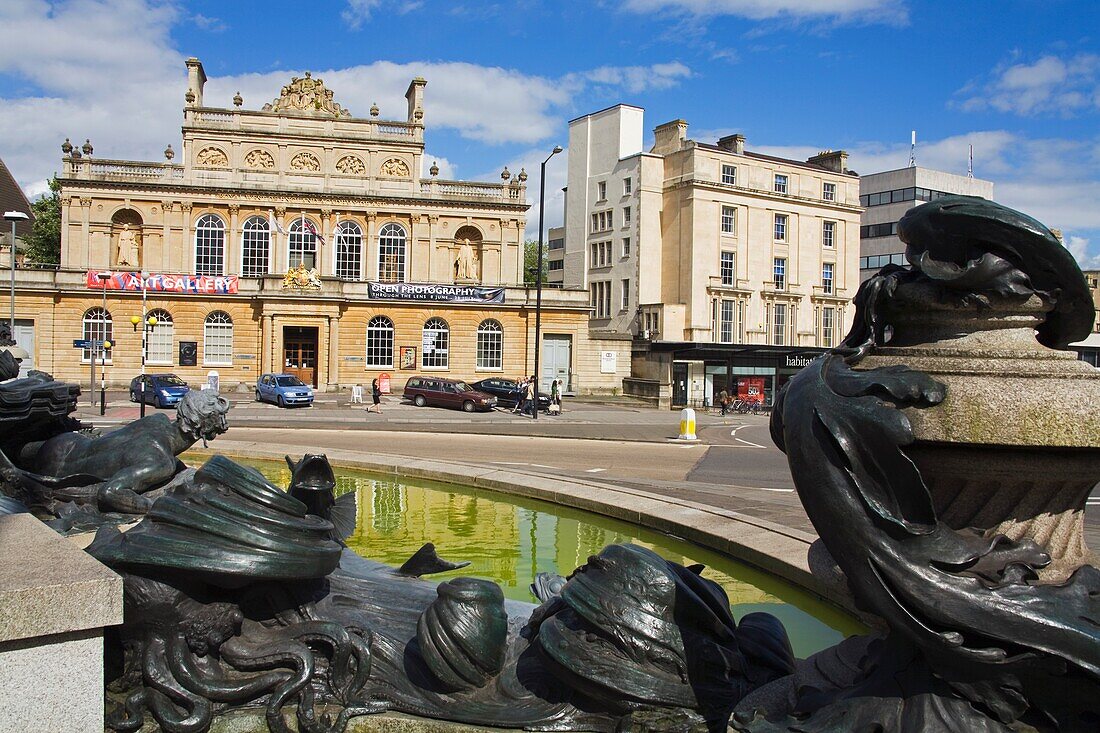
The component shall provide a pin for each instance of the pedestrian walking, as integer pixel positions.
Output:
(555, 397)
(724, 401)
(518, 393)
(532, 401)
(376, 397)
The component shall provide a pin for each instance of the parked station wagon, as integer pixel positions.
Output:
(440, 392)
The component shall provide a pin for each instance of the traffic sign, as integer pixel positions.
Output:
(87, 343)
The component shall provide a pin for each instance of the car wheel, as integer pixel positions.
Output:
(157, 403)
(419, 401)
(467, 406)
(282, 402)
(258, 398)
(133, 397)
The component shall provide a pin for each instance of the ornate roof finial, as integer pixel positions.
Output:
(66, 147)
(87, 146)
(169, 153)
(418, 114)
(522, 175)
(76, 153)
(238, 100)
(505, 174)
(374, 109)
(434, 170)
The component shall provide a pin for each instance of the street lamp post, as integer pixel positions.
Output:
(147, 325)
(14, 217)
(103, 277)
(538, 276)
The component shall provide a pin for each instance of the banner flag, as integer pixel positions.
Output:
(131, 282)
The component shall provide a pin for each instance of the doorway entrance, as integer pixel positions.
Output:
(679, 384)
(557, 355)
(300, 353)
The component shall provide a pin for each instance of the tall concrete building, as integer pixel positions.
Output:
(1089, 349)
(888, 195)
(730, 269)
(555, 256)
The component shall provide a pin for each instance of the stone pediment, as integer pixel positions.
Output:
(306, 94)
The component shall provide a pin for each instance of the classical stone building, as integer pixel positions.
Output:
(299, 238)
(730, 269)
(1089, 349)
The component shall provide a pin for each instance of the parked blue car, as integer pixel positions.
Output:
(161, 390)
(283, 390)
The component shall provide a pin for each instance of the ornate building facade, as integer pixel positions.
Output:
(299, 238)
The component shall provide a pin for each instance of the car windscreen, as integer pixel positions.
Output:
(170, 380)
(289, 382)
(463, 387)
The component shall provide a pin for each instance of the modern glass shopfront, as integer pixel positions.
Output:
(754, 374)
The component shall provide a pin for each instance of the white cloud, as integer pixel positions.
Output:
(358, 12)
(212, 25)
(1049, 85)
(891, 12)
(1079, 248)
(636, 79)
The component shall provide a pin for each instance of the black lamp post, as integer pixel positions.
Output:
(146, 328)
(538, 276)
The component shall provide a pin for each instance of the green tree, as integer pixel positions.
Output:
(531, 261)
(43, 246)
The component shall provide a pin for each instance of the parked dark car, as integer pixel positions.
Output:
(161, 390)
(505, 392)
(283, 390)
(440, 392)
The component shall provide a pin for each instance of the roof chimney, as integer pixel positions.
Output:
(734, 143)
(415, 95)
(669, 137)
(196, 78)
(836, 161)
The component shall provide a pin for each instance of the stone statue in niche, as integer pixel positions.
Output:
(466, 262)
(128, 250)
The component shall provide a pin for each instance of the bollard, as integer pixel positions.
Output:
(687, 424)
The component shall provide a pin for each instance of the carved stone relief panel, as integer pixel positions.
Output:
(351, 165)
(395, 168)
(259, 159)
(212, 157)
(305, 162)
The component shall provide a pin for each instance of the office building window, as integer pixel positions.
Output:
(593, 254)
(553, 265)
(781, 227)
(161, 339)
(380, 342)
(490, 345)
(779, 273)
(210, 245)
(729, 175)
(729, 219)
(780, 183)
(255, 246)
(828, 326)
(217, 340)
(727, 268)
(626, 246)
(600, 294)
(869, 231)
(626, 295)
(303, 243)
(349, 250)
(435, 342)
(827, 277)
(601, 191)
(391, 254)
(828, 233)
(828, 191)
(779, 324)
(627, 185)
(98, 326)
(725, 322)
(626, 215)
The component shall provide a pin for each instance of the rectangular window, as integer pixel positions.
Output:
(729, 175)
(627, 186)
(779, 324)
(610, 219)
(727, 268)
(780, 183)
(828, 233)
(626, 215)
(779, 273)
(725, 323)
(781, 227)
(594, 259)
(828, 316)
(601, 191)
(626, 295)
(595, 223)
(626, 246)
(828, 191)
(729, 219)
(827, 277)
(607, 299)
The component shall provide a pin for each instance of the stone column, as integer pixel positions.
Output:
(167, 208)
(233, 242)
(86, 230)
(370, 247)
(326, 251)
(333, 351)
(280, 243)
(187, 251)
(266, 344)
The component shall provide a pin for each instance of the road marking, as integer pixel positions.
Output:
(595, 470)
(733, 433)
(508, 463)
(754, 445)
(539, 465)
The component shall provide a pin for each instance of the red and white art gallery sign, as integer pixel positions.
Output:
(131, 281)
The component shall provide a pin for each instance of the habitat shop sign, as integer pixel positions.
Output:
(131, 281)
(800, 360)
(434, 293)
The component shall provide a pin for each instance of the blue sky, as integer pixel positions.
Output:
(1018, 79)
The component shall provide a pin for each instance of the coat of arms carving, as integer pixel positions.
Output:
(306, 94)
(301, 278)
(395, 168)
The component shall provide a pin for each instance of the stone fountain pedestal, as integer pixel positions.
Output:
(1014, 449)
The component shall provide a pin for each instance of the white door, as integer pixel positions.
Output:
(24, 336)
(556, 358)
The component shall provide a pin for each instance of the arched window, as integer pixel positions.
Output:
(349, 250)
(490, 345)
(435, 344)
(217, 340)
(161, 338)
(255, 246)
(380, 342)
(210, 245)
(303, 243)
(391, 254)
(97, 327)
